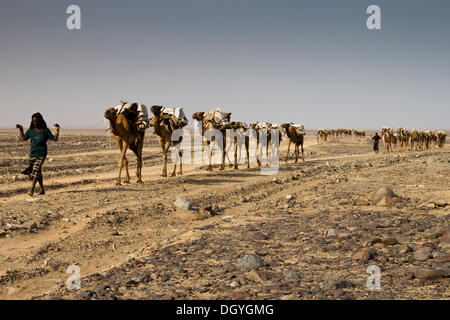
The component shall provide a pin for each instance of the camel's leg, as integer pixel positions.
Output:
(122, 160)
(174, 172)
(180, 153)
(119, 144)
(247, 146)
(222, 166)
(303, 155)
(140, 145)
(228, 154)
(258, 153)
(289, 146)
(296, 153)
(235, 154)
(164, 157)
(209, 152)
(166, 150)
(127, 173)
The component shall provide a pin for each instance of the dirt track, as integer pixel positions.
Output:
(131, 242)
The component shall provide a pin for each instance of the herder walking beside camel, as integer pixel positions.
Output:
(39, 134)
(376, 139)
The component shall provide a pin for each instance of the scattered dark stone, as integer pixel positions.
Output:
(291, 276)
(343, 284)
(249, 262)
(363, 255)
(423, 254)
(260, 236)
(87, 294)
(240, 295)
(428, 274)
(442, 257)
(383, 196)
(390, 241)
(375, 240)
(445, 238)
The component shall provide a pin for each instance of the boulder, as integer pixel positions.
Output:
(384, 196)
(249, 262)
(182, 203)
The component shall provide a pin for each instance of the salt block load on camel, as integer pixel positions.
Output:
(165, 121)
(214, 120)
(128, 122)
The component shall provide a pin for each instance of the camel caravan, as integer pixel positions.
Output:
(325, 135)
(128, 122)
(402, 140)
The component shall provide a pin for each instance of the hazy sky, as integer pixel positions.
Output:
(311, 61)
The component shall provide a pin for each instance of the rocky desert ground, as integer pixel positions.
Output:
(309, 232)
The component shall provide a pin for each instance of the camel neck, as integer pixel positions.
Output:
(157, 125)
(112, 124)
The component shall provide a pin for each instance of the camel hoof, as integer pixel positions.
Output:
(236, 168)
(118, 183)
(209, 169)
(164, 175)
(180, 173)
(222, 168)
(139, 181)
(173, 175)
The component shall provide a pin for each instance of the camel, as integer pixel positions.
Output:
(403, 138)
(296, 136)
(267, 129)
(387, 137)
(441, 138)
(433, 139)
(415, 140)
(164, 129)
(126, 137)
(322, 135)
(209, 122)
(240, 136)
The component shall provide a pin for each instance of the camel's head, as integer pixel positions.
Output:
(110, 114)
(156, 110)
(286, 127)
(198, 116)
(228, 116)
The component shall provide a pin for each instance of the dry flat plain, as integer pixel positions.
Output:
(310, 232)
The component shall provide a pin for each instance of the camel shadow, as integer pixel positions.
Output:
(210, 182)
(107, 189)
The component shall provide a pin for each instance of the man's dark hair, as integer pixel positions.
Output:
(41, 121)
